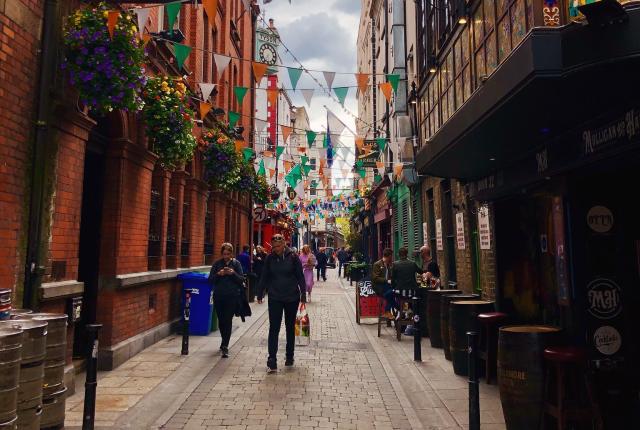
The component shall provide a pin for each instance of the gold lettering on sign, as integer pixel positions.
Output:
(551, 16)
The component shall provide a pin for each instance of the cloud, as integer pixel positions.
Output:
(348, 6)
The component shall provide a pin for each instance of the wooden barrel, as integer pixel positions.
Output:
(9, 425)
(433, 315)
(29, 419)
(53, 409)
(10, 352)
(463, 317)
(17, 313)
(445, 299)
(521, 373)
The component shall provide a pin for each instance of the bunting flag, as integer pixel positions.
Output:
(393, 80)
(206, 90)
(386, 89)
(279, 151)
(302, 150)
(172, 9)
(341, 93)
(329, 77)
(261, 125)
(397, 169)
(204, 109)
(381, 142)
(359, 143)
(181, 53)
(222, 61)
(362, 172)
(211, 8)
(112, 20)
(328, 143)
(304, 160)
(363, 81)
(287, 165)
(143, 17)
(233, 118)
(247, 154)
(311, 137)
(377, 178)
(145, 39)
(272, 95)
(336, 123)
(261, 170)
(239, 144)
(379, 164)
(307, 93)
(294, 76)
(259, 69)
(240, 92)
(307, 169)
(286, 131)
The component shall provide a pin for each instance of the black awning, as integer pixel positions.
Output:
(557, 79)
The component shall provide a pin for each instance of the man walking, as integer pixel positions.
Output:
(342, 259)
(321, 264)
(283, 279)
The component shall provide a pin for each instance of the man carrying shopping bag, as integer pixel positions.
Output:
(283, 280)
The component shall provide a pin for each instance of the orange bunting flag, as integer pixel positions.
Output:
(379, 164)
(286, 131)
(271, 172)
(272, 95)
(359, 143)
(259, 69)
(323, 162)
(239, 145)
(363, 81)
(112, 20)
(302, 150)
(146, 37)
(204, 109)
(287, 165)
(267, 154)
(397, 169)
(386, 89)
(211, 7)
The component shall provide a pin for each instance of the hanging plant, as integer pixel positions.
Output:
(221, 161)
(260, 193)
(169, 120)
(256, 185)
(107, 72)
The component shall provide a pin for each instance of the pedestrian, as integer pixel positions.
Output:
(245, 259)
(308, 261)
(283, 280)
(381, 279)
(321, 264)
(227, 279)
(404, 273)
(430, 267)
(258, 260)
(343, 257)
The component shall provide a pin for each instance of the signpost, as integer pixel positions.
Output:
(259, 214)
(367, 302)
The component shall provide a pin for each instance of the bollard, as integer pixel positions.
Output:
(474, 394)
(417, 336)
(185, 322)
(91, 382)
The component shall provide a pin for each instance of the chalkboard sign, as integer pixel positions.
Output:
(367, 302)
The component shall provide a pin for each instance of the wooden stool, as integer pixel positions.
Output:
(488, 351)
(570, 368)
(402, 323)
(381, 318)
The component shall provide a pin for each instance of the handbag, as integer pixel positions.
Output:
(302, 326)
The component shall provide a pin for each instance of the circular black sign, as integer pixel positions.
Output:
(274, 192)
(604, 298)
(291, 193)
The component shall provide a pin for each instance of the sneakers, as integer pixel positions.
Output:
(272, 366)
(225, 351)
(289, 362)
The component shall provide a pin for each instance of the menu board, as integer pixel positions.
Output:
(460, 230)
(439, 244)
(484, 228)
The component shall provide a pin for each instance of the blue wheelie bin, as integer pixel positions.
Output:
(201, 310)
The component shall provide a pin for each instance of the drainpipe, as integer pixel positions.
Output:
(34, 268)
(386, 60)
(373, 70)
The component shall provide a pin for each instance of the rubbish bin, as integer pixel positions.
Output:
(201, 311)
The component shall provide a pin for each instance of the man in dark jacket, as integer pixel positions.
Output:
(321, 264)
(343, 257)
(283, 279)
(404, 274)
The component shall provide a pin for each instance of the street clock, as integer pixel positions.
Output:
(267, 54)
(267, 45)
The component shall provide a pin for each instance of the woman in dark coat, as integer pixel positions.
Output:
(228, 285)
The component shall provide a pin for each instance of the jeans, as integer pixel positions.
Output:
(225, 309)
(389, 296)
(276, 309)
(322, 270)
(340, 266)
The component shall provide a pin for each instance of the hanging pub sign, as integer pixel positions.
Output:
(460, 230)
(291, 193)
(369, 153)
(483, 228)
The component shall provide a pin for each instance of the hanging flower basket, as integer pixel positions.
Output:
(108, 73)
(260, 192)
(221, 161)
(256, 185)
(169, 120)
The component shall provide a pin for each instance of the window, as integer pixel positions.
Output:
(171, 227)
(186, 223)
(448, 230)
(154, 222)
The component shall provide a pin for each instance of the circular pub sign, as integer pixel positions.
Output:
(604, 298)
(274, 192)
(607, 340)
(600, 219)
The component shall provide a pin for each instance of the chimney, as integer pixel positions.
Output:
(271, 23)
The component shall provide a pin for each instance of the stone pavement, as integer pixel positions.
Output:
(348, 378)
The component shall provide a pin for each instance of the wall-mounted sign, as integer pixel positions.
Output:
(439, 244)
(619, 130)
(460, 230)
(600, 219)
(291, 193)
(425, 233)
(604, 298)
(259, 214)
(607, 340)
(483, 228)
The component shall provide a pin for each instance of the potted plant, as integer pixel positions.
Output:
(169, 120)
(221, 161)
(107, 72)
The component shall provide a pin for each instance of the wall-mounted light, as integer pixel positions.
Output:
(462, 20)
(432, 69)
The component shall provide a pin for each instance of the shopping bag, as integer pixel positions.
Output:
(302, 326)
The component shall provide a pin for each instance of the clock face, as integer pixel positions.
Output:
(268, 54)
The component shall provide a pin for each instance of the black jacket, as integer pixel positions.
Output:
(403, 274)
(226, 285)
(282, 278)
(322, 259)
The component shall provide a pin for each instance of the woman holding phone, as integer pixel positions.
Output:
(228, 285)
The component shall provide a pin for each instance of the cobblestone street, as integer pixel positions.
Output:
(346, 379)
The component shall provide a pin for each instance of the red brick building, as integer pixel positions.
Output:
(85, 208)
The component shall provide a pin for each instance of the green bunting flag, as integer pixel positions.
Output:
(279, 151)
(324, 141)
(291, 181)
(377, 178)
(304, 159)
(181, 53)
(307, 169)
(382, 143)
(240, 92)
(247, 153)
(261, 169)
(294, 76)
(172, 10)
(359, 164)
(393, 80)
(233, 118)
(311, 137)
(341, 92)
(362, 173)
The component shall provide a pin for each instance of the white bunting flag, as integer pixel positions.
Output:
(222, 61)
(299, 189)
(329, 77)
(335, 124)
(260, 125)
(308, 95)
(206, 90)
(143, 17)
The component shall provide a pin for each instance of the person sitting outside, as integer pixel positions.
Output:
(430, 267)
(404, 273)
(381, 278)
